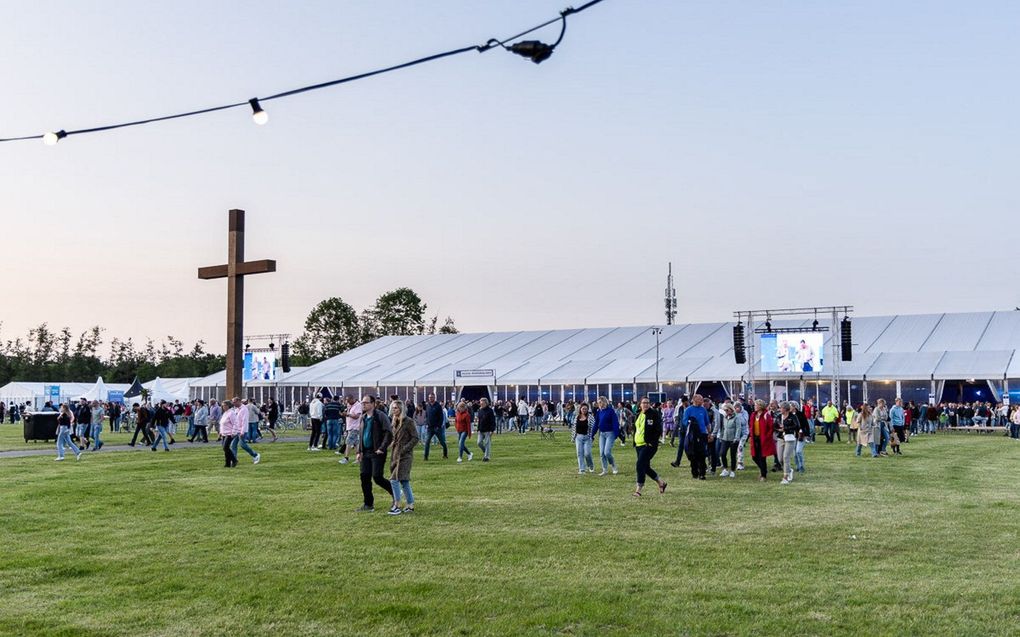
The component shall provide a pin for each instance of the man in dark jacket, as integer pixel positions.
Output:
(435, 420)
(375, 439)
(142, 421)
(486, 425)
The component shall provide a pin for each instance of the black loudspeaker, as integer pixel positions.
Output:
(285, 357)
(738, 344)
(846, 340)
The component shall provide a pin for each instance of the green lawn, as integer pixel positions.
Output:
(143, 543)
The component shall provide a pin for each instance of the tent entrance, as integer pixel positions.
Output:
(475, 392)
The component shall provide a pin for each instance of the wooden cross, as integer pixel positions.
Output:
(234, 271)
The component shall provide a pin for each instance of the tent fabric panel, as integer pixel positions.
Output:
(573, 372)
(671, 369)
(605, 348)
(904, 366)
(971, 364)
(906, 333)
(530, 373)
(957, 332)
(1002, 333)
(621, 370)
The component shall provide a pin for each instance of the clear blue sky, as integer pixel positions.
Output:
(779, 153)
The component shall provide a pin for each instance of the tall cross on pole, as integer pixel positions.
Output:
(234, 271)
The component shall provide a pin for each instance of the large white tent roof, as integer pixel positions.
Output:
(980, 345)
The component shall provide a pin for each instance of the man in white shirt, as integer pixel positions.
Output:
(523, 415)
(315, 413)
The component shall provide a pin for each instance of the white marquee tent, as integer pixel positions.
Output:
(909, 354)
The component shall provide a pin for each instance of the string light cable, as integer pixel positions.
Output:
(534, 50)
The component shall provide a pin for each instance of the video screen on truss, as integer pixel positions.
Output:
(259, 366)
(792, 353)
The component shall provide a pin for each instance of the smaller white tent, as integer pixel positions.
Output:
(98, 391)
(158, 392)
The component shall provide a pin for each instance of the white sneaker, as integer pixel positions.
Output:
(338, 453)
(344, 460)
(470, 457)
(314, 449)
(733, 475)
(460, 459)
(257, 458)
(78, 456)
(604, 472)
(615, 471)
(785, 481)
(581, 472)
(724, 473)
(58, 459)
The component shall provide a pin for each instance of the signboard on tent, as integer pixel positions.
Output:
(115, 396)
(53, 394)
(475, 377)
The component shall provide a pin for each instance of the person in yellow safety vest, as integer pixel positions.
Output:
(848, 417)
(830, 416)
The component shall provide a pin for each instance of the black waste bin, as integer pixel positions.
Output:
(41, 426)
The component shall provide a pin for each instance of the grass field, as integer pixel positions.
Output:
(141, 543)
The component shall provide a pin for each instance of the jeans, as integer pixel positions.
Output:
(584, 461)
(645, 453)
(485, 443)
(462, 449)
(422, 431)
(789, 451)
(740, 452)
(191, 426)
(606, 441)
(883, 437)
(201, 432)
(798, 456)
(96, 430)
(64, 440)
(253, 431)
(372, 469)
(333, 434)
(871, 445)
(160, 436)
(440, 434)
(239, 440)
(405, 486)
(115, 424)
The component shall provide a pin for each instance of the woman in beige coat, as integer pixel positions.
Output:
(405, 439)
(865, 435)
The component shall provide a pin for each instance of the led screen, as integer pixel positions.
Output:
(259, 366)
(792, 353)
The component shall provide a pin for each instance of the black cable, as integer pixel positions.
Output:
(491, 43)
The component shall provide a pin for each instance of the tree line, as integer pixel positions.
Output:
(332, 327)
(46, 354)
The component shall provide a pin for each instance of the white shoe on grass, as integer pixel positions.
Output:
(257, 458)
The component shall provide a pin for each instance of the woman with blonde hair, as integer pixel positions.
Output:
(405, 439)
(865, 421)
(65, 420)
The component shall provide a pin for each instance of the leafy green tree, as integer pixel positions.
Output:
(399, 312)
(332, 327)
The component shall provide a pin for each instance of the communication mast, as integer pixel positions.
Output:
(670, 297)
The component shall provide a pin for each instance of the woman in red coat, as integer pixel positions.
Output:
(760, 437)
(463, 424)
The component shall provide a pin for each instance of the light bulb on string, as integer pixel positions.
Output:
(258, 115)
(51, 138)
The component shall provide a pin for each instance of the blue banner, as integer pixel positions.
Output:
(115, 396)
(53, 394)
